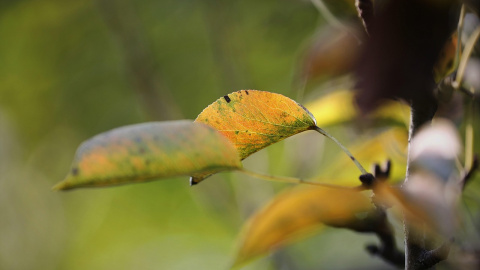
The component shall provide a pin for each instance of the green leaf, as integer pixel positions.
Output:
(150, 151)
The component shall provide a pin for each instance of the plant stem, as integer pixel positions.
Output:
(459, 36)
(327, 14)
(326, 134)
(286, 179)
(331, 19)
(469, 138)
(365, 11)
(420, 114)
(469, 45)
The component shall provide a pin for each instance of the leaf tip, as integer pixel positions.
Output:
(193, 181)
(64, 185)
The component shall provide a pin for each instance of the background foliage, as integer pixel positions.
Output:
(73, 69)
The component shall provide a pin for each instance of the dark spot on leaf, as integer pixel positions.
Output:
(227, 99)
(352, 158)
(74, 171)
(246, 92)
(236, 132)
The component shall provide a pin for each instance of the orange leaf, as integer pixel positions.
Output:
(297, 212)
(253, 120)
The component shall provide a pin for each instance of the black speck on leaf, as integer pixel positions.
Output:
(227, 99)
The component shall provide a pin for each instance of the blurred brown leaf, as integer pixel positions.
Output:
(333, 52)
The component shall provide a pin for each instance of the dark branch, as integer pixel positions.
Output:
(365, 13)
(469, 175)
(432, 257)
(387, 250)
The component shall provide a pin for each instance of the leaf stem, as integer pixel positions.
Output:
(459, 36)
(326, 134)
(470, 44)
(469, 138)
(331, 19)
(286, 179)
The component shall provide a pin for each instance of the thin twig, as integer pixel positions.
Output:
(327, 14)
(469, 138)
(331, 19)
(459, 36)
(326, 134)
(365, 13)
(470, 44)
(292, 180)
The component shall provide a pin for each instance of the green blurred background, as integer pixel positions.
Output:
(72, 69)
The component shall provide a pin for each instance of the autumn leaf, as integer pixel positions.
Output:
(339, 107)
(253, 120)
(297, 212)
(150, 151)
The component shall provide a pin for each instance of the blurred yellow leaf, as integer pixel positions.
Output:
(253, 120)
(150, 151)
(339, 107)
(292, 214)
(295, 213)
(388, 145)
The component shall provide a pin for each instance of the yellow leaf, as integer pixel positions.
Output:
(297, 212)
(388, 145)
(150, 151)
(339, 107)
(253, 120)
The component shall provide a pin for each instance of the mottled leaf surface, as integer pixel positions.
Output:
(253, 120)
(297, 212)
(150, 151)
